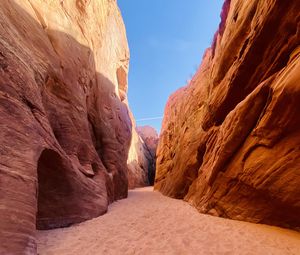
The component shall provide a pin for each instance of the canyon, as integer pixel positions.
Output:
(71, 152)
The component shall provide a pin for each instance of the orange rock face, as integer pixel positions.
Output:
(230, 141)
(65, 128)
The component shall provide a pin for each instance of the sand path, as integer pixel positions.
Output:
(149, 223)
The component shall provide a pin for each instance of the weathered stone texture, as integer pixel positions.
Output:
(65, 126)
(230, 141)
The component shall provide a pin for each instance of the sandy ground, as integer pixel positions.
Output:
(149, 223)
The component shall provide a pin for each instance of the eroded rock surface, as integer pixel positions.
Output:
(65, 126)
(230, 141)
(150, 140)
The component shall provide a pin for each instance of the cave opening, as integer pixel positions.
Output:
(54, 188)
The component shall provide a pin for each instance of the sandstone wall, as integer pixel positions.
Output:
(230, 141)
(64, 119)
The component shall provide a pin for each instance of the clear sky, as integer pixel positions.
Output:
(167, 39)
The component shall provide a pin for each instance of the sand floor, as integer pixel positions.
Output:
(149, 223)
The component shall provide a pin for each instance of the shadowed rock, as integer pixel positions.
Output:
(65, 123)
(150, 139)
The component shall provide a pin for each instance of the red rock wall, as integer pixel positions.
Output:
(230, 141)
(65, 127)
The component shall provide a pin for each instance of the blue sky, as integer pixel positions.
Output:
(167, 39)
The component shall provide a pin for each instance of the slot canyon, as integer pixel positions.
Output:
(79, 175)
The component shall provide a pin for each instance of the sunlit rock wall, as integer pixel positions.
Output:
(230, 141)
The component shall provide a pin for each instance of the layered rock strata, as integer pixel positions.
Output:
(65, 124)
(230, 141)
